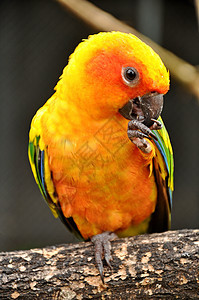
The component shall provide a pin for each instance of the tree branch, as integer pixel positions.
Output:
(103, 21)
(163, 266)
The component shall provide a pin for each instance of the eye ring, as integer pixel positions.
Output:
(130, 76)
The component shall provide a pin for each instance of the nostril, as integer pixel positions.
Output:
(137, 101)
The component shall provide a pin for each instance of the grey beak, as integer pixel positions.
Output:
(143, 108)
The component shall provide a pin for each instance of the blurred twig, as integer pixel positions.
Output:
(183, 72)
(197, 10)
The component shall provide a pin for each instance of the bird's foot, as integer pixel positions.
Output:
(103, 247)
(142, 144)
(138, 132)
(157, 125)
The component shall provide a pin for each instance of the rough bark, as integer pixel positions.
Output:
(162, 266)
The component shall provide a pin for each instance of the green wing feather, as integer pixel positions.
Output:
(165, 148)
(39, 164)
(163, 170)
(37, 157)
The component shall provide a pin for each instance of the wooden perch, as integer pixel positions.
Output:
(162, 266)
(183, 72)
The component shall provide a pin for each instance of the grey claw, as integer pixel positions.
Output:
(136, 125)
(103, 246)
(156, 125)
(153, 136)
(107, 252)
(137, 134)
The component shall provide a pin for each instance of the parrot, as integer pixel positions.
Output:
(98, 148)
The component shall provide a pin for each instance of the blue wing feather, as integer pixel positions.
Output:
(42, 169)
(163, 172)
(164, 146)
(37, 161)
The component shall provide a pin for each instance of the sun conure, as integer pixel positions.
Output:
(98, 148)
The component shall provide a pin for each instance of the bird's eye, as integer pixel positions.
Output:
(130, 76)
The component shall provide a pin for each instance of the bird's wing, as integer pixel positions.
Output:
(163, 170)
(41, 172)
(38, 157)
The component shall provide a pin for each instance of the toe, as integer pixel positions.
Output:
(103, 246)
(107, 252)
(98, 255)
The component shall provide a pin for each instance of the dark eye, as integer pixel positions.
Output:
(130, 76)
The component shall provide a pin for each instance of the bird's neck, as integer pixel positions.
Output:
(72, 122)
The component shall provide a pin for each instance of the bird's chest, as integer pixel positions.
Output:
(100, 169)
(102, 159)
(95, 159)
(106, 176)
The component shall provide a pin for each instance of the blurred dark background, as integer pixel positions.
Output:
(36, 38)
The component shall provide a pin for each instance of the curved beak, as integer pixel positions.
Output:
(143, 109)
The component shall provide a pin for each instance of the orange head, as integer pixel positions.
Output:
(109, 69)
